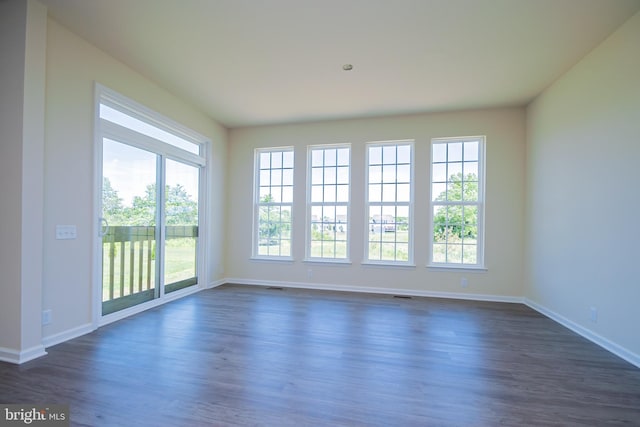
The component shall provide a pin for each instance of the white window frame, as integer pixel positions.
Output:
(480, 203)
(335, 204)
(257, 204)
(410, 205)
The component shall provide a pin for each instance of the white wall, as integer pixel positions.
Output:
(583, 194)
(505, 131)
(12, 49)
(72, 67)
(22, 76)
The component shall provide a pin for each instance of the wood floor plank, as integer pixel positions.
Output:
(240, 355)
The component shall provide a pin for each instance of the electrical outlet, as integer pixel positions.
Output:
(46, 317)
(593, 314)
(464, 282)
(309, 273)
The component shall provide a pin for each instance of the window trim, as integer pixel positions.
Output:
(310, 204)
(411, 204)
(256, 205)
(481, 203)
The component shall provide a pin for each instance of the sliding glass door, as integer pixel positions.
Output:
(181, 230)
(130, 215)
(150, 185)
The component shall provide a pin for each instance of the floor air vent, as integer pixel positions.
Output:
(275, 288)
(403, 296)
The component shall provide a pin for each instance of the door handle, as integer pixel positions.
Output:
(104, 229)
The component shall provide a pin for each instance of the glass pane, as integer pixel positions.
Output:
(328, 249)
(287, 159)
(439, 192)
(388, 193)
(330, 175)
(470, 191)
(389, 173)
(265, 194)
(329, 213)
(470, 254)
(375, 155)
(287, 194)
(276, 160)
(287, 177)
(439, 154)
(404, 173)
(404, 192)
(454, 171)
(276, 194)
(343, 175)
(317, 175)
(276, 177)
(439, 253)
(330, 157)
(404, 154)
(316, 213)
(375, 193)
(341, 249)
(265, 160)
(375, 174)
(329, 193)
(471, 170)
(454, 152)
(374, 251)
(454, 191)
(389, 154)
(341, 214)
(317, 157)
(144, 128)
(402, 252)
(265, 177)
(343, 193)
(388, 251)
(454, 254)
(181, 225)
(316, 193)
(471, 150)
(343, 157)
(439, 172)
(316, 248)
(129, 246)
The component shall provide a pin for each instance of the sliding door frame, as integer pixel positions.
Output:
(163, 150)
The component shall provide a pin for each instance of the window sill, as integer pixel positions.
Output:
(327, 261)
(387, 264)
(478, 268)
(287, 260)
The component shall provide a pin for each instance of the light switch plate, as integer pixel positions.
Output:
(66, 232)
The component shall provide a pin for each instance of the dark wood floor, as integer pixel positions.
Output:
(253, 356)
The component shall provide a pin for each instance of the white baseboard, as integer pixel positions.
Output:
(18, 357)
(67, 335)
(614, 348)
(372, 290)
(216, 283)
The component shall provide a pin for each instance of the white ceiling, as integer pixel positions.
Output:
(249, 62)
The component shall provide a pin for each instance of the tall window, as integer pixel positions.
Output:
(389, 202)
(273, 201)
(328, 208)
(457, 201)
